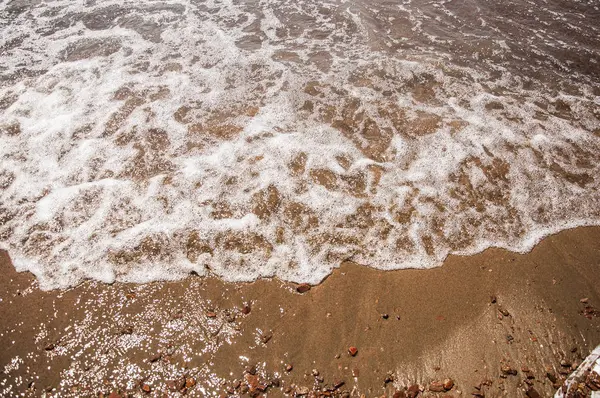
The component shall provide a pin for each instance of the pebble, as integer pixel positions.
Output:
(246, 310)
(190, 382)
(338, 383)
(448, 384)
(436, 386)
(493, 299)
(353, 351)
(413, 391)
(507, 370)
(504, 311)
(566, 363)
(385, 316)
(303, 288)
(315, 372)
(289, 367)
(584, 300)
(532, 393)
(300, 391)
(146, 388)
(266, 337)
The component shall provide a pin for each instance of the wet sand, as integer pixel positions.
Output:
(487, 321)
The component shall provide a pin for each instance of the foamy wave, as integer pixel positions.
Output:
(148, 142)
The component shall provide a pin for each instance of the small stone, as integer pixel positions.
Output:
(436, 386)
(509, 338)
(504, 311)
(493, 299)
(315, 372)
(388, 379)
(50, 347)
(584, 300)
(246, 310)
(276, 383)
(353, 351)
(251, 370)
(266, 337)
(551, 376)
(300, 391)
(146, 388)
(338, 383)
(413, 391)
(532, 393)
(566, 363)
(385, 316)
(190, 382)
(564, 371)
(289, 367)
(155, 357)
(507, 370)
(355, 372)
(303, 288)
(448, 384)
(211, 314)
(127, 330)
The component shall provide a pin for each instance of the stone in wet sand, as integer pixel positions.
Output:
(303, 288)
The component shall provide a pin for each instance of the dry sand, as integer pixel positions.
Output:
(441, 323)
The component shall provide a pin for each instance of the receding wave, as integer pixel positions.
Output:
(145, 141)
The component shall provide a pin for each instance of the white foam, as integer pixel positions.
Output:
(136, 140)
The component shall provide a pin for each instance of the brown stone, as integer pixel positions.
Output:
(246, 310)
(303, 288)
(211, 314)
(507, 370)
(448, 384)
(289, 367)
(338, 383)
(265, 337)
(551, 376)
(190, 382)
(353, 351)
(504, 311)
(532, 393)
(566, 363)
(146, 388)
(436, 386)
(413, 391)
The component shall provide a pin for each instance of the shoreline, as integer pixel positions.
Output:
(410, 326)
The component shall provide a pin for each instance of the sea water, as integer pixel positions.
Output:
(147, 140)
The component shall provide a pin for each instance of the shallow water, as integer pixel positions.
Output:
(274, 138)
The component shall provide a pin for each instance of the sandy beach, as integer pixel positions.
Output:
(497, 324)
